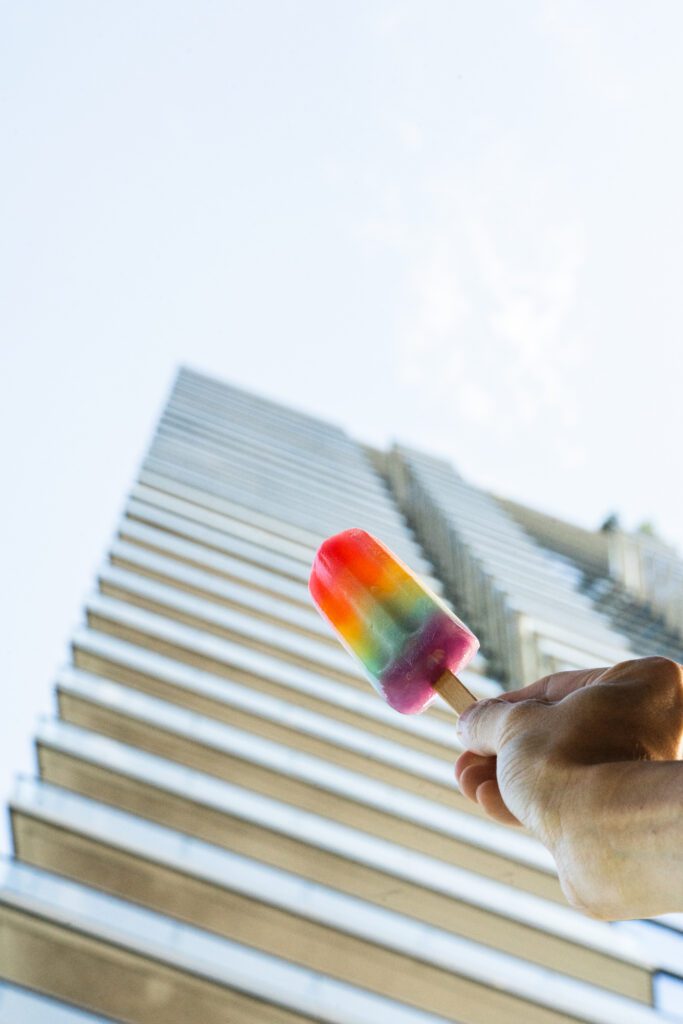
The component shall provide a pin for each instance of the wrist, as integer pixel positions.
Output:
(619, 840)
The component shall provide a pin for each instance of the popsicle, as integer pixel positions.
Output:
(408, 642)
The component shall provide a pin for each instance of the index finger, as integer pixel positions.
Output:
(555, 686)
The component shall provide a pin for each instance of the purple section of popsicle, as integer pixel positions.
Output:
(408, 682)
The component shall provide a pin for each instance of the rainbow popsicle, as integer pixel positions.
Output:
(406, 639)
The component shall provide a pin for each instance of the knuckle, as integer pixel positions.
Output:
(668, 675)
(661, 664)
(523, 718)
(673, 670)
(655, 664)
(526, 710)
(655, 676)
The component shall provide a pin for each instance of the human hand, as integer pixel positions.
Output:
(565, 757)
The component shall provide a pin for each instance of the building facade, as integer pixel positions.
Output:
(226, 823)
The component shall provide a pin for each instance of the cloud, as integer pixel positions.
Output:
(430, 353)
(529, 314)
(393, 17)
(409, 134)
(583, 37)
(476, 403)
(488, 332)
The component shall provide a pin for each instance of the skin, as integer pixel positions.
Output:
(590, 763)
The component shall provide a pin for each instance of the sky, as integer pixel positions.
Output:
(455, 224)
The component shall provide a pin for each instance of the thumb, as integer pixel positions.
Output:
(480, 726)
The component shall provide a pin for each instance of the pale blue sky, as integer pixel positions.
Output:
(459, 224)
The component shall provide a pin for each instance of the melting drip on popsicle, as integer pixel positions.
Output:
(402, 634)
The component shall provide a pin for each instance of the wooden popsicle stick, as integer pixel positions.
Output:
(455, 693)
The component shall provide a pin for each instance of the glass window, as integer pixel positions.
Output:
(668, 994)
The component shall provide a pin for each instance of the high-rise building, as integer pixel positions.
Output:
(227, 825)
